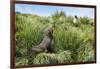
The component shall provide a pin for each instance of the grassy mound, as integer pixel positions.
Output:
(47, 58)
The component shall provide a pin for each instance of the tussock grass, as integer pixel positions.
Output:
(48, 58)
(70, 43)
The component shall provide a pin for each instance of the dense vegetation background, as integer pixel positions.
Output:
(72, 42)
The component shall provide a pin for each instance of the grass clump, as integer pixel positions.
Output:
(48, 58)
